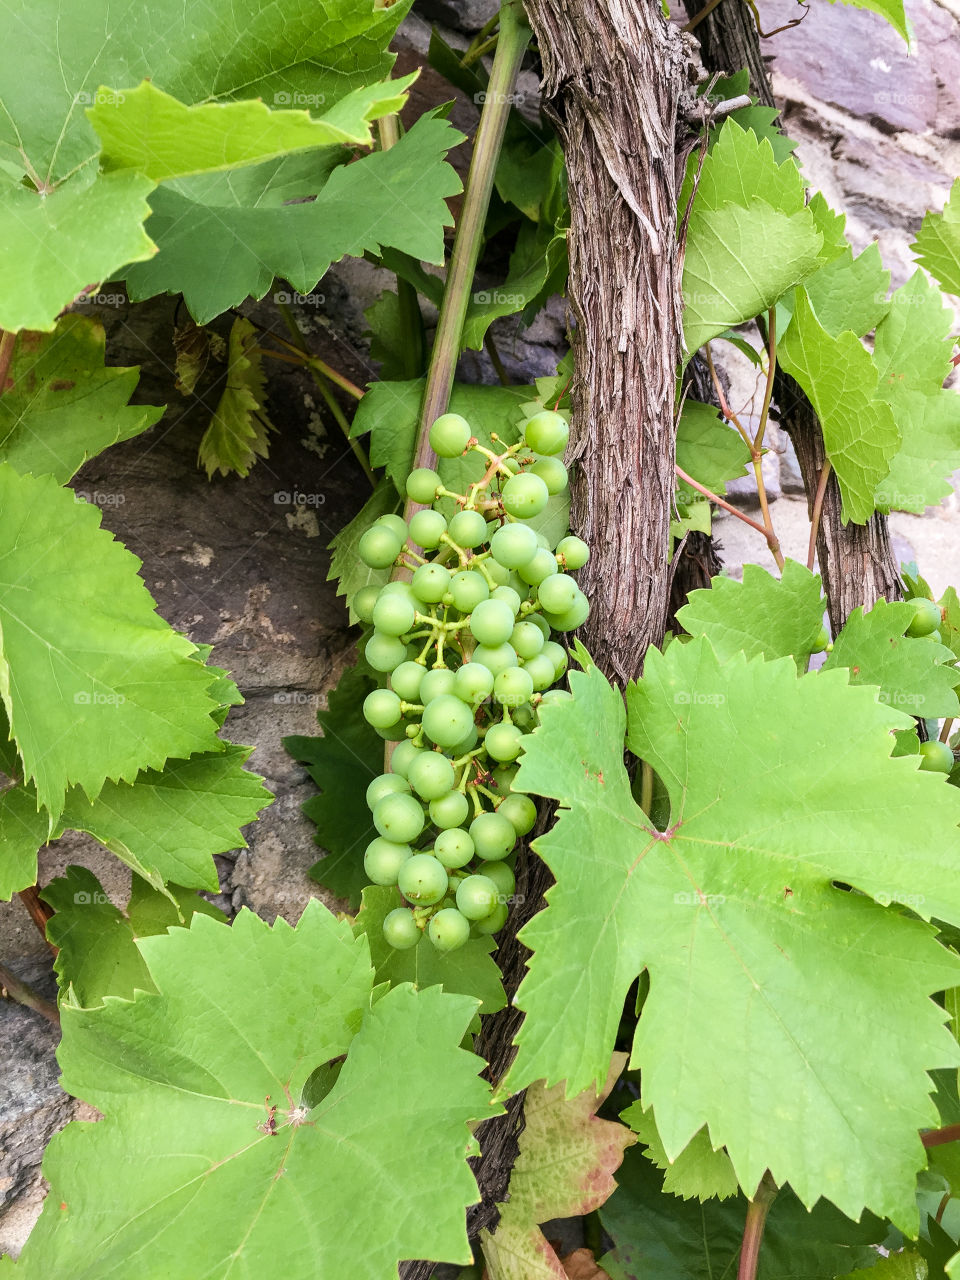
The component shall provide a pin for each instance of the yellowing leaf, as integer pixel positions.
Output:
(238, 432)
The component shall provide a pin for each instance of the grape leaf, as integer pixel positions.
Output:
(195, 347)
(567, 1160)
(906, 1265)
(95, 684)
(150, 131)
(776, 617)
(950, 626)
(849, 293)
(97, 955)
(912, 352)
(892, 10)
(538, 268)
(860, 432)
(167, 824)
(698, 1172)
(72, 225)
(23, 830)
(390, 338)
(343, 763)
(656, 1234)
(345, 564)
(238, 432)
(62, 405)
(914, 675)
(469, 971)
(937, 245)
(708, 450)
(246, 1014)
(733, 912)
(218, 243)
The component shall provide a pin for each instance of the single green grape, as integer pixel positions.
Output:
(384, 785)
(430, 582)
(553, 474)
(543, 565)
(450, 435)
(467, 589)
(466, 743)
(496, 658)
(503, 778)
(468, 529)
(423, 879)
(436, 683)
(574, 617)
(555, 695)
(527, 639)
(403, 756)
(574, 551)
(473, 682)
(494, 922)
(541, 671)
(384, 653)
(547, 432)
(519, 810)
(513, 545)
(400, 929)
(540, 621)
(448, 930)
(450, 810)
(927, 616)
(476, 897)
(399, 817)
(394, 522)
(525, 717)
(936, 757)
(513, 687)
(364, 601)
(406, 680)
(447, 720)
(381, 708)
(557, 593)
(524, 496)
(422, 485)
(453, 847)
(492, 621)
(393, 614)
(431, 775)
(379, 547)
(493, 835)
(383, 859)
(503, 742)
(510, 596)
(821, 642)
(557, 655)
(501, 875)
(427, 528)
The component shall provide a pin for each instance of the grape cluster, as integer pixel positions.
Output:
(467, 644)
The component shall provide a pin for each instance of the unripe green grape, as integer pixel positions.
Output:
(379, 547)
(450, 435)
(393, 614)
(927, 616)
(553, 474)
(400, 929)
(385, 785)
(473, 682)
(501, 875)
(431, 775)
(503, 742)
(557, 594)
(364, 601)
(384, 653)
(503, 778)
(492, 621)
(448, 930)
(541, 671)
(406, 680)
(520, 811)
(436, 683)
(528, 639)
(574, 617)
(936, 757)
(822, 640)
(512, 465)
(547, 432)
(494, 922)
(403, 756)
(453, 847)
(422, 485)
(493, 836)
(476, 897)
(399, 817)
(514, 545)
(447, 720)
(574, 550)
(511, 598)
(542, 566)
(466, 743)
(540, 621)
(467, 589)
(524, 496)
(524, 717)
(496, 658)
(513, 687)
(422, 879)
(383, 859)
(381, 708)
(555, 695)
(427, 528)
(430, 582)
(497, 572)
(468, 529)
(398, 587)
(394, 522)
(450, 810)
(557, 655)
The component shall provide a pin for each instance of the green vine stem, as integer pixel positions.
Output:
(24, 994)
(757, 1212)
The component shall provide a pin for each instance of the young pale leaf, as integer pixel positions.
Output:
(915, 675)
(188, 1080)
(762, 615)
(343, 763)
(698, 1172)
(62, 405)
(860, 432)
(657, 1235)
(95, 684)
(765, 979)
(238, 433)
(567, 1160)
(469, 971)
(938, 243)
(150, 131)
